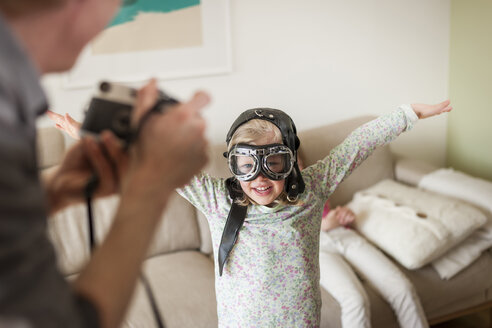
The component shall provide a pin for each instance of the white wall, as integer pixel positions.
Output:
(323, 61)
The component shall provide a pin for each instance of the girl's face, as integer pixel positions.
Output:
(263, 190)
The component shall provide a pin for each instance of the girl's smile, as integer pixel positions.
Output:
(262, 190)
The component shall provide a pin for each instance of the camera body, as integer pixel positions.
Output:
(111, 109)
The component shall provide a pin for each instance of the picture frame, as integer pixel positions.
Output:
(211, 55)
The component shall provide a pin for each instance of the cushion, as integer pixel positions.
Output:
(441, 298)
(50, 147)
(68, 230)
(413, 226)
(183, 284)
(475, 191)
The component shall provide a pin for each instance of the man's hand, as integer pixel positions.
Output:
(171, 147)
(105, 158)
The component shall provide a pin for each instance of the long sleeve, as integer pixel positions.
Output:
(207, 194)
(348, 155)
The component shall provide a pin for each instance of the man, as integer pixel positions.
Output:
(41, 36)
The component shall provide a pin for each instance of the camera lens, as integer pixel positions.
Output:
(105, 86)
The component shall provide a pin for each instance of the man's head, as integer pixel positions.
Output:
(54, 32)
(16, 8)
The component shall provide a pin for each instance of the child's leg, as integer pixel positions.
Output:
(337, 277)
(386, 279)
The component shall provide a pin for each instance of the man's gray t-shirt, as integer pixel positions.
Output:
(33, 293)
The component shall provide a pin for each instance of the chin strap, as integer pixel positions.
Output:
(234, 222)
(294, 184)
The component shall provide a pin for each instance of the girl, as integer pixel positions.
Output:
(265, 220)
(268, 272)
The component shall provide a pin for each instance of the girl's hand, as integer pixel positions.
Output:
(329, 221)
(344, 215)
(424, 110)
(65, 123)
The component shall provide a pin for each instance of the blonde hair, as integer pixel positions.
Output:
(249, 133)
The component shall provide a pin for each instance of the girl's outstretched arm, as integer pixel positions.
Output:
(348, 155)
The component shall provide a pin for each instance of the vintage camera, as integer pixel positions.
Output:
(111, 109)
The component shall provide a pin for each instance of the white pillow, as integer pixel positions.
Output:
(413, 226)
(68, 231)
(475, 191)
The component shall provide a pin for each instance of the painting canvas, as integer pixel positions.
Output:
(164, 39)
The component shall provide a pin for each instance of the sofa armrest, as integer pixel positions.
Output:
(411, 171)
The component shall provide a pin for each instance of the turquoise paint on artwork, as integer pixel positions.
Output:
(128, 12)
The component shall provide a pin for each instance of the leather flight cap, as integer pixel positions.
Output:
(294, 184)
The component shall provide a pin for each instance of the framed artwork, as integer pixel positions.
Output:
(157, 38)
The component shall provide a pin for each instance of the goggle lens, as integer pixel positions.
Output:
(278, 163)
(243, 165)
(247, 161)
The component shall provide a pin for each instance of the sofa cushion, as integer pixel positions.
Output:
(412, 225)
(465, 290)
(140, 313)
(465, 253)
(205, 234)
(50, 147)
(475, 191)
(68, 230)
(183, 285)
(459, 185)
(178, 230)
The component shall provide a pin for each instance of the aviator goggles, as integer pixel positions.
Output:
(275, 161)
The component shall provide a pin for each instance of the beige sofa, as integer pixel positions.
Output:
(181, 270)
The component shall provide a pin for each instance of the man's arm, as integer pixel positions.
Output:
(168, 152)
